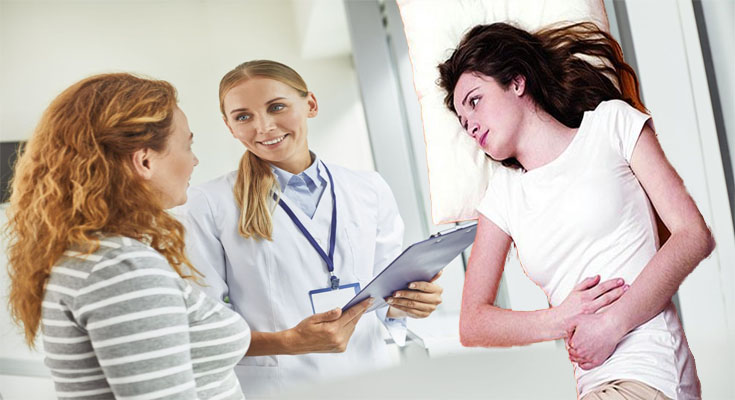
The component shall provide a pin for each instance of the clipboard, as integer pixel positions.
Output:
(419, 262)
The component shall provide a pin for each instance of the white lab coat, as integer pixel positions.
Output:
(268, 281)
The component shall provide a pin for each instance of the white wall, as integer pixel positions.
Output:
(719, 16)
(45, 46)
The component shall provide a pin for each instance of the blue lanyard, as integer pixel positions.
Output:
(329, 259)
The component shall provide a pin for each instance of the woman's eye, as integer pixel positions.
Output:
(277, 107)
(243, 117)
(474, 101)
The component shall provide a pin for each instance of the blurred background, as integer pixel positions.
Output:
(354, 57)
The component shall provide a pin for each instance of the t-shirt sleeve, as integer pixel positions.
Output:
(494, 204)
(627, 124)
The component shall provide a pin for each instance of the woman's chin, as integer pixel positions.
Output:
(490, 154)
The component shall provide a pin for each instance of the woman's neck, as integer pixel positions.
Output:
(543, 139)
(296, 164)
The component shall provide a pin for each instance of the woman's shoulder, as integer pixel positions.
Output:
(210, 195)
(361, 184)
(120, 270)
(356, 178)
(615, 107)
(121, 250)
(114, 256)
(623, 124)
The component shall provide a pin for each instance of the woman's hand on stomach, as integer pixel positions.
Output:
(594, 340)
(587, 298)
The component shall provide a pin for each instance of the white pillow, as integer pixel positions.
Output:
(458, 170)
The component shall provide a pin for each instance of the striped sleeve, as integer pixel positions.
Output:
(134, 310)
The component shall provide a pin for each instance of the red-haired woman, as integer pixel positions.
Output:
(97, 263)
(584, 178)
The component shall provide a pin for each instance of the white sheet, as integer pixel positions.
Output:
(458, 169)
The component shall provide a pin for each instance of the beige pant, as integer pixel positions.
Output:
(624, 390)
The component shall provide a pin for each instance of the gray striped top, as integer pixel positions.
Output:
(121, 323)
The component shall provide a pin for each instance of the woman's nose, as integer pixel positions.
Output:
(473, 129)
(265, 124)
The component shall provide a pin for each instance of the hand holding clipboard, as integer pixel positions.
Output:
(419, 262)
(419, 300)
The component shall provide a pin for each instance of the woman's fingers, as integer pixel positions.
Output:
(419, 300)
(605, 287)
(588, 365)
(412, 312)
(426, 287)
(408, 304)
(355, 312)
(588, 283)
(609, 297)
(574, 356)
(328, 316)
(423, 297)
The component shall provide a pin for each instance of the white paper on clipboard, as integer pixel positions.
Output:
(419, 262)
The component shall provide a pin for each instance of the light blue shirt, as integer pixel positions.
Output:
(304, 189)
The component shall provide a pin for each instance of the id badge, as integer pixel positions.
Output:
(323, 300)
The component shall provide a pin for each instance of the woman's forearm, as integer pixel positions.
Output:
(483, 324)
(480, 322)
(661, 278)
(270, 343)
(489, 326)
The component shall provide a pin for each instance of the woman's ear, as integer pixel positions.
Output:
(313, 105)
(518, 85)
(142, 163)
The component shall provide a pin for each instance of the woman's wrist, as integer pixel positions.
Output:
(288, 341)
(395, 313)
(272, 343)
(557, 323)
(618, 320)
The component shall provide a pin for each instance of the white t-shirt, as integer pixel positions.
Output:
(584, 214)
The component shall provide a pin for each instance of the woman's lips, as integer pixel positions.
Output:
(483, 138)
(273, 142)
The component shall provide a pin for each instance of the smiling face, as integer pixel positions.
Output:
(490, 114)
(269, 118)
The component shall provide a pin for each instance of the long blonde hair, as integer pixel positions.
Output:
(75, 179)
(255, 182)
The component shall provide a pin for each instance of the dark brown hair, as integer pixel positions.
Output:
(569, 69)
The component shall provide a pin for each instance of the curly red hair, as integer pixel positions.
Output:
(75, 179)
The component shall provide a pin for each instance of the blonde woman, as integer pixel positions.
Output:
(287, 228)
(95, 260)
